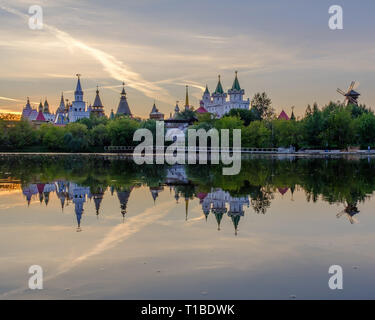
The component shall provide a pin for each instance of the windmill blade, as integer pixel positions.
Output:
(341, 92)
(353, 220)
(340, 213)
(351, 86)
(356, 85)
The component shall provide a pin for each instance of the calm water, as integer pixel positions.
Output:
(110, 229)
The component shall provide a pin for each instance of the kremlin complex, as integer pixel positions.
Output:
(216, 103)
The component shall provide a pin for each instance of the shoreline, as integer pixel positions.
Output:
(130, 154)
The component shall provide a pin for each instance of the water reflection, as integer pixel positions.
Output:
(75, 181)
(217, 202)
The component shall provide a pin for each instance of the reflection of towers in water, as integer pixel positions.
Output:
(217, 201)
(61, 187)
(236, 210)
(176, 195)
(29, 192)
(97, 195)
(48, 188)
(123, 196)
(40, 187)
(155, 192)
(78, 194)
(44, 190)
(206, 206)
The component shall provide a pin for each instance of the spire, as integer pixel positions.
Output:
(40, 108)
(123, 106)
(28, 103)
(154, 109)
(98, 200)
(97, 101)
(206, 91)
(61, 108)
(236, 84)
(292, 117)
(112, 115)
(187, 98)
(46, 107)
(78, 88)
(176, 108)
(219, 87)
(123, 89)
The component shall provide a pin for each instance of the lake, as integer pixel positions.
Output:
(102, 227)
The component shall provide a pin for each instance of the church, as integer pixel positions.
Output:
(217, 103)
(71, 112)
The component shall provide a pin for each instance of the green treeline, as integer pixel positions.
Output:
(334, 126)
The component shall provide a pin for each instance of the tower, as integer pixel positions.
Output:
(219, 96)
(123, 107)
(97, 108)
(176, 110)
(46, 107)
(155, 114)
(206, 96)
(61, 108)
(187, 106)
(236, 93)
(78, 108)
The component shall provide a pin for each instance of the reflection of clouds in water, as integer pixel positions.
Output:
(13, 205)
(118, 234)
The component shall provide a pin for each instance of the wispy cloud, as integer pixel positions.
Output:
(114, 67)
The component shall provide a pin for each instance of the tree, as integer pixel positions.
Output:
(3, 133)
(365, 126)
(99, 135)
(79, 137)
(121, 131)
(21, 135)
(256, 135)
(339, 129)
(52, 136)
(245, 115)
(286, 133)
(229, 123)
(261, 106)
(311, 129)
(308, 111)
(186, 114)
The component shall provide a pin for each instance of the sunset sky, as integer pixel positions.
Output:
(158, 46)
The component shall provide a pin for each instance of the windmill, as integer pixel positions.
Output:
(350, 211)
(351, 96)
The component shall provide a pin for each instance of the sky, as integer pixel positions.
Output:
(157, 47)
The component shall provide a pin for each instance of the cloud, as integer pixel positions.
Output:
(114, 67)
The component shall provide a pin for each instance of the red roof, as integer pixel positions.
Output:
(283, 190)
(201, 110)
(201, 195)
(40, 117)
(40, 187)
(283, 115)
